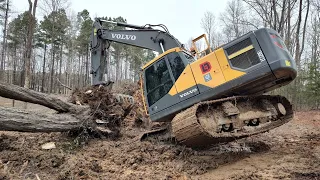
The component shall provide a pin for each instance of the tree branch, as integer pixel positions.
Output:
(63, 85)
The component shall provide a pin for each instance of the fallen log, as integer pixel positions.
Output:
(27, 95)
(28, 121)
(69, 117)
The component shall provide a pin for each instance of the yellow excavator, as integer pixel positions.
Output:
(207, 95)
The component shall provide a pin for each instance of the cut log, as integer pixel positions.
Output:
(27, 95)
(26, 121)
(70, 117)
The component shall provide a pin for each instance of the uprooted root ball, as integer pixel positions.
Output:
(105, 111)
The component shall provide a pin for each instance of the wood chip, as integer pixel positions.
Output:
(49, 145)
(88, 92)
(104, 130)
(98, 121)
(78, 103)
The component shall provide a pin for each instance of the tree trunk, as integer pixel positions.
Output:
(69, 116)
(275, 14)
(26, 95)
(33, 73)
(117, 58)
(297, 51)
(4, 44)
(107, 64)
(44, 67)
(52, 69)
(60, 67)
(304, 29)
(78, 74)
(281, 23)
(126, 66)
(288, 34)
(87, 66)
(26, 121)
(32, 13)
(9, 78)
(120, 69)
(14, 66)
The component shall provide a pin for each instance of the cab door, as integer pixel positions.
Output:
(159, 85)
(168, 81)
(185, 83)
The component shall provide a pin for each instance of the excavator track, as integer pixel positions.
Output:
(229, 119)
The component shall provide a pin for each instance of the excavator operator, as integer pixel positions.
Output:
(193, 51)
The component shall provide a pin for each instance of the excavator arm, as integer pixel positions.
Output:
(140, 36)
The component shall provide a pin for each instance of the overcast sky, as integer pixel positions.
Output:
(182, 17)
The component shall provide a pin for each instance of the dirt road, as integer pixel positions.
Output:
(291, 151)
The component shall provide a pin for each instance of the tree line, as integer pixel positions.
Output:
(59, 50)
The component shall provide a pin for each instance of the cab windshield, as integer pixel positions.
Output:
(189, 57)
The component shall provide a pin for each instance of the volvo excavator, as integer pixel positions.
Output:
(207, 95)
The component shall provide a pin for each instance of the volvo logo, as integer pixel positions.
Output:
(261, 56)
(188, 92)
(124, 36)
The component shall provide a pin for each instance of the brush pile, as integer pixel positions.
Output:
(109, 114)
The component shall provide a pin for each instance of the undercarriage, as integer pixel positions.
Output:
(226, 120)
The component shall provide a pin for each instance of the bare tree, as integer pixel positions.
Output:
(32, 18)
(297, 51)
(234, 20)
(207, 23)
(304, 29)
(47, 6)
(271, 12)
(4, 44)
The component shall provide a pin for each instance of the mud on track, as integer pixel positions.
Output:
(291, 151)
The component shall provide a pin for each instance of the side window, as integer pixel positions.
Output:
(158, 81)
(245, 59)
(176, 64)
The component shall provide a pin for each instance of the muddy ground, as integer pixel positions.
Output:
(291, 151)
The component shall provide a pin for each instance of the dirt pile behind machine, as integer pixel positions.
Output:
(206, 95)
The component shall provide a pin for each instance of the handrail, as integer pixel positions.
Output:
(142, 94)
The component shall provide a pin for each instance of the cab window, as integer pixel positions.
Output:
(189, 57)
(158, 81)
(176, 64)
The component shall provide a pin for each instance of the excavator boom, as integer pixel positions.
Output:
(139, 36)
